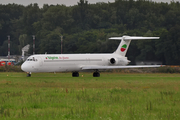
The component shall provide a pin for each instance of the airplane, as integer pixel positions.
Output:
(76, 63)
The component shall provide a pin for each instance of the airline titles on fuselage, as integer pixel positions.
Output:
(57, 58)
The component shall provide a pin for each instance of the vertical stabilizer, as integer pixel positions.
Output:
(123, 47)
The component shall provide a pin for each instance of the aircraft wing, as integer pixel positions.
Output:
(117, 67)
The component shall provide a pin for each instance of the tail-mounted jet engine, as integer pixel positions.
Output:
(112, 61)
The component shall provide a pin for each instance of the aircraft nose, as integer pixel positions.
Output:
(24, 67)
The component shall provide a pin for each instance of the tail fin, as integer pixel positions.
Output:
(125, 42)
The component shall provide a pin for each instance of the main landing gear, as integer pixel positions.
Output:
(95, 74)
(75, 74)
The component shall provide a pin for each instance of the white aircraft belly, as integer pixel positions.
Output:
(59, 67)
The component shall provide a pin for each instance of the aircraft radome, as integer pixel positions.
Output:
(76, 63)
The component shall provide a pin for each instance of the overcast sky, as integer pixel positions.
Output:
(65, 2)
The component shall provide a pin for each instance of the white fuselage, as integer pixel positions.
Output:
(70, 62)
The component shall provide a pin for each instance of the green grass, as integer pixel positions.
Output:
(112, 96)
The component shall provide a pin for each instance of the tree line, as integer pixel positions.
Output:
(86, 28)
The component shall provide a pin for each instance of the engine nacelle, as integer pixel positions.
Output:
(118, 61)
(113, 61)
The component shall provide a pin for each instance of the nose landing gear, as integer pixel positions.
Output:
(29, 74)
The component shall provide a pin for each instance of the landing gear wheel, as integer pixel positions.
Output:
(75, 74)
(96, 74)
(28, 74)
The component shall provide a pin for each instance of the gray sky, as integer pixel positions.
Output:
(65, 2)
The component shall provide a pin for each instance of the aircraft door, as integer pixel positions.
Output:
(40, 61)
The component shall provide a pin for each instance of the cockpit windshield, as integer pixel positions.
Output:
(31, 59)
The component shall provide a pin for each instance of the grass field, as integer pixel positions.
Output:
(113, 96)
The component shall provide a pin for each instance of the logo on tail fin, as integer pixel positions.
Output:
(123, 48)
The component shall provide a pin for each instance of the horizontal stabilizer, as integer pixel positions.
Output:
(117, 67)
(132, 38)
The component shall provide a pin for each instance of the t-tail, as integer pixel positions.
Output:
(125, 42)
